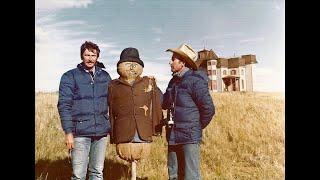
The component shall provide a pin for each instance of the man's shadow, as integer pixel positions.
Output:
(61, 169)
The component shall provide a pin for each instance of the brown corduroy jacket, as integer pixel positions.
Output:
(134, 107)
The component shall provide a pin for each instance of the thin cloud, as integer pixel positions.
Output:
(157, 30)
(252, 40)
(132, 2)
(222, 36)
(57, 45)
(276, 5)
(157, 39)
(52, 57)
(107, 46)
(115, 52)
(67, 23)
(57, 50)
(144, 57)
(220, 46)
(163, 58)
(60, 4)
(268, 79)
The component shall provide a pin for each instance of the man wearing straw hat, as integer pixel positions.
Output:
(188, 99)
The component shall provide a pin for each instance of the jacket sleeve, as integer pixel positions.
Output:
(156, 110)
(168, 96)
(65, 101)
(203, 101)
(160, 94)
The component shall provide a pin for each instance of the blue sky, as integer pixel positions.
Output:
(229, 27)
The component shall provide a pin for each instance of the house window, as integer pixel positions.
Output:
(209, 85)
(242, 83)
(242, 72)
(209, 63)
(224, 72)
(214, 85)
(233, 72)
(213, 62)
(214, 72)
(209, 72)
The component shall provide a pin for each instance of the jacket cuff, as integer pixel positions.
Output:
(67, 131)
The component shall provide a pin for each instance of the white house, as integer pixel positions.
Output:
(227, 74)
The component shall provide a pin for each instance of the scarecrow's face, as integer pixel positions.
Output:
(129, 70)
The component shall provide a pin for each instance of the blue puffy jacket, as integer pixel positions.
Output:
(193, 107)
(82, 103)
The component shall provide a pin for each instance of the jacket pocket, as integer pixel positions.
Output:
(102, 124)
(82, 126)
(106, 116)
(183, 132)
(106, 122)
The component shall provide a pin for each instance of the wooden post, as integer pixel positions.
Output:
(133, 170)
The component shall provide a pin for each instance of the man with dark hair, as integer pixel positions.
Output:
(83, 111)
(188, 100)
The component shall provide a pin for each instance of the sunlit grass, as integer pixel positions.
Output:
(245, 140)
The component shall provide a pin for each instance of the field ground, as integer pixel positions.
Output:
(245, 140)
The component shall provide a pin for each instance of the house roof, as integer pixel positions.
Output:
(222, 62)
(207, 55)
(200, 62)
(234, 62)
(250, 59)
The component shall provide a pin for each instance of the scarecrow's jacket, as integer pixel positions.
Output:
(132, 108)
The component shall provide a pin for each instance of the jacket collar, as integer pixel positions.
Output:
(180, 74)
(177, 79)
(187, 73)
(98, 66)
(183, 74)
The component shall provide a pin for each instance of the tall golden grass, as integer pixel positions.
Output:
(245, 140)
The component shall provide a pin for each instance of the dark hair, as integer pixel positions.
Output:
(181, 58)
(90, 46)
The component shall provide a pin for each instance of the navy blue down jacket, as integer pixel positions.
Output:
(193, 107)
(82, 103)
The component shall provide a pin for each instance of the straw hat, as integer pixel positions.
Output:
(188, 54)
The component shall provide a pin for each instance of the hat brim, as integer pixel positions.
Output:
(137, 60)
(187, 59)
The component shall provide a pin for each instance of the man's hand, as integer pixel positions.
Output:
(69, 141)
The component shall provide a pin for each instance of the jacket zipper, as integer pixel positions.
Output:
(94, 110)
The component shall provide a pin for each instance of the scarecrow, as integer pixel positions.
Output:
(135, 109)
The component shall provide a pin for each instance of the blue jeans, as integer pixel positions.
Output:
(183, 162)
(90, 150)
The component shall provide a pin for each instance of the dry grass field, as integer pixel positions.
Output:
(245, 140)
